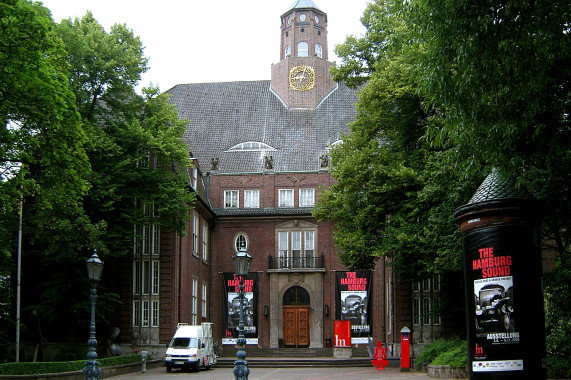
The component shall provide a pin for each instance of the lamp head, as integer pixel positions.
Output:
(94, 267)
(242, 262)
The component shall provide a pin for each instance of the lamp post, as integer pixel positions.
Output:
(91, 370)
(241, 266)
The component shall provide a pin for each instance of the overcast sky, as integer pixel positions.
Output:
(193, 41)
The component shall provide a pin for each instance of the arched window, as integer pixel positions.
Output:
(318, 51)
(287, 50)
(240, 241)
(251, 145)
(296, 296)
(302, 49)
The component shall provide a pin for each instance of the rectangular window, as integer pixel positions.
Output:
(436, 282)
(416, 311)
(285, 198)
(426, 311)
(310, 259)
(436, 310)
(251, 198)
(156, 239)
(231, 199)
(204, 242)
(416, 286)
(283, 248)
(194, 305)
(204, 303)
(296, 249)
(136, 277)
(146, 277)
(155, 314)
(156, 277)
(426, 284)
(146, 313)
(136, 313)
(306, 197)
(195, 235)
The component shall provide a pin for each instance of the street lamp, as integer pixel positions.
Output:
(241, 266)
(91, 370)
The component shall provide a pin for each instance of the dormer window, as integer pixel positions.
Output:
(251, 145)
(302, 49)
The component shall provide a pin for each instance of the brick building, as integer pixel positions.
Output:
(260, 150)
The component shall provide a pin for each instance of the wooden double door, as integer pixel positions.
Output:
(296, 326)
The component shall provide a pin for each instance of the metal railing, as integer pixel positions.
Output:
(307, 262)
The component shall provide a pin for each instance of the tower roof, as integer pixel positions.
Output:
(297, 4)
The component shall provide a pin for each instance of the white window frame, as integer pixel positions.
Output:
(252, 198)
(195, 229)
(318, 50)
(285, 198)
(155, 313)
(205, 242)
(287, 51)
(302, 49)
(231, 199)
(306, 197)
(239, 239)
(194, 303)
(296, 248)
(204, 299)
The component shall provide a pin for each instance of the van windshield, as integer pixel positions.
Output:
(184, 343)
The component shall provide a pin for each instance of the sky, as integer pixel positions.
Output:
(196, 41)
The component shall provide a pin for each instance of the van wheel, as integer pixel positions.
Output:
(169, 369)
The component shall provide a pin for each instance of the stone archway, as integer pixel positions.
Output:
(296, 317)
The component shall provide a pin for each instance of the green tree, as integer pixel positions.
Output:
(395, 195)
(137, 156)
(41, 137)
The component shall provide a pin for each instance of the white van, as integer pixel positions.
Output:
(191, 347)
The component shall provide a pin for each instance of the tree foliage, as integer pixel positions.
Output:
(71, 112)
(41, 137)
(394, 194)
(491, 80)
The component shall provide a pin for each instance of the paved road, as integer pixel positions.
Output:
(305, 373)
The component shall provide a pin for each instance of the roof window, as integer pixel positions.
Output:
(251, 145)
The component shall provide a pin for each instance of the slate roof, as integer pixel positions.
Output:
(224, 114)
(495, 187)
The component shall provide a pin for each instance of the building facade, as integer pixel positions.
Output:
(260, 150)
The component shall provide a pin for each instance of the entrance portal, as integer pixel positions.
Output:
(296, 317)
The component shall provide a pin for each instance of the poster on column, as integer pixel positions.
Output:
(352, 294)
(232, 308)
(493, 260)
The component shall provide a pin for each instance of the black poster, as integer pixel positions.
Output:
(352, 294)
(232, 308)
(505, 311)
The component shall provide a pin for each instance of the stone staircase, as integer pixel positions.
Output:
(297, 357)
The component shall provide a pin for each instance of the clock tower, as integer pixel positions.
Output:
(301, 79)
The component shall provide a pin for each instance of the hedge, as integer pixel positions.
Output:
(29, 368)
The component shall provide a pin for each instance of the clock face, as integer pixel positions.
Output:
(302, 78)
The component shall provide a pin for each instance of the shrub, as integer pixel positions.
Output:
(455, 357)
(29, 368)
(432, 350)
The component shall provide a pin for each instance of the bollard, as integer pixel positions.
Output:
(144, 361)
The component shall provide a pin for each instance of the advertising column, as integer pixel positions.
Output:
(502, 271)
